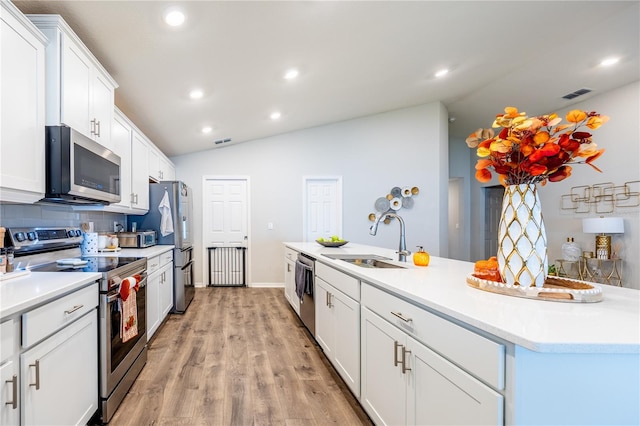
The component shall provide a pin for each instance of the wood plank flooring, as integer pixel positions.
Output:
(239, 356)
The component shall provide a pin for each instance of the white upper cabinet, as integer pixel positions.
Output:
(139, 171)
(160, 167)
(22, 145)
(127, 142)
(80, 92)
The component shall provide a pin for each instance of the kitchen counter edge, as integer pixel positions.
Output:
(609, 326)
(23, 294)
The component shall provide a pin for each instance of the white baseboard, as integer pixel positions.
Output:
(267, 285)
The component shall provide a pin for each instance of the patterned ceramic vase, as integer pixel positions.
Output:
(522, 241)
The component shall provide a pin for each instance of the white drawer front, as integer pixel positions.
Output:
(343, 282)
(7, 336)
(166, 258)
(153, 264)
(290, 254)
(478, 355)
(45, 320)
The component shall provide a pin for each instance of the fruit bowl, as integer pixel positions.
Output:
(332, 243)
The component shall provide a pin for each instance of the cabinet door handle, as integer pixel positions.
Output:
(405, 351)
(72, 310)
(93, 127)
(136, 198)
(402, 317)
(14, 401)
(97, 128)
(37, 366)
(288, 267)
(396, 345)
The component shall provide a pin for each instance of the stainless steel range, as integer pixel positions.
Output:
(40, 250)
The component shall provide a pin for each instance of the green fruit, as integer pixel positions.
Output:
(321, 240)
(335, 238)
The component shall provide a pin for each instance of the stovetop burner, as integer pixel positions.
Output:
(102, 264)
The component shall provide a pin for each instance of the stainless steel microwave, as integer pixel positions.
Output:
(140, 239)
(79, 170)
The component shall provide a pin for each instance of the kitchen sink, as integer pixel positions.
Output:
(365, 260)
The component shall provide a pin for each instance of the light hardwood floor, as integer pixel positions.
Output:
(239, 356)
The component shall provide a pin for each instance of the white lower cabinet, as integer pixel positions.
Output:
(338, 331)
(159, 290)
(9, 373)
(404, 382)
(60, 377)
(166, 290)
(153, 307)
(49, 362)
(9, 410)
(290, 257)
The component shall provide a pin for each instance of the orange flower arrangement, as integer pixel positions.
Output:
(537, 149)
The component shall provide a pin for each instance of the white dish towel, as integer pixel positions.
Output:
(166, 222)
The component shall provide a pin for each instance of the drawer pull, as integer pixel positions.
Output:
(402, 317)
(14, 402)
(404, 360)
(37, 366)
(396, 345)
(329, 296)
(72, 310)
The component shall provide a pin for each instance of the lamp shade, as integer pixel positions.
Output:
(603, 225)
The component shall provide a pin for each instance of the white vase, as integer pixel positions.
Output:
(522, 241)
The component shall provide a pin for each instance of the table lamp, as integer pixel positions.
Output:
(602, 226)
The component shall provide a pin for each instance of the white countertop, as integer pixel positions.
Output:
(20, 294)
(609, 326)
(23, 293)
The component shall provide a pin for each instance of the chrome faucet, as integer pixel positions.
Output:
(402, 249)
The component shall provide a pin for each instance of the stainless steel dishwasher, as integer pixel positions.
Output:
(305, 287)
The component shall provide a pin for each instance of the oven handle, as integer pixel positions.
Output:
(142, 283)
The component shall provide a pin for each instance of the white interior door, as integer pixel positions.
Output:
(225, 215)
(322, 207)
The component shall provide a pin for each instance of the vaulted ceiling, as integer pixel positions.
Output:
(354, 59)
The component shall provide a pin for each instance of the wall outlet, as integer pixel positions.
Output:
(270, 226)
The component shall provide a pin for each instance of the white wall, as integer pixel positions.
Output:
(407, 147)
(620, 163)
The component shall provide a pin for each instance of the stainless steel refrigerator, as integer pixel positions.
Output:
(173, 213)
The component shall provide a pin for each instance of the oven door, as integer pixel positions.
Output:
(117, 357)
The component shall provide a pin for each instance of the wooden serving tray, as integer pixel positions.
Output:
(555, 289)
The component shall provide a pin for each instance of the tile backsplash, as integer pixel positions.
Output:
(21, 215)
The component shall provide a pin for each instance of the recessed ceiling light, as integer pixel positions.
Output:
(442, 73)
(291, 74)
(275, 115)
(174, 17)
(609, 61)
(207, 129)
(196, 94)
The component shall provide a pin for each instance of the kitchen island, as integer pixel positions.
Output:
(559, 357)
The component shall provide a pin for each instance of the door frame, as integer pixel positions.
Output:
(205, 253)
(305, 181)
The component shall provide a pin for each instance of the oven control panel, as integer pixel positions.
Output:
(38, 239)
